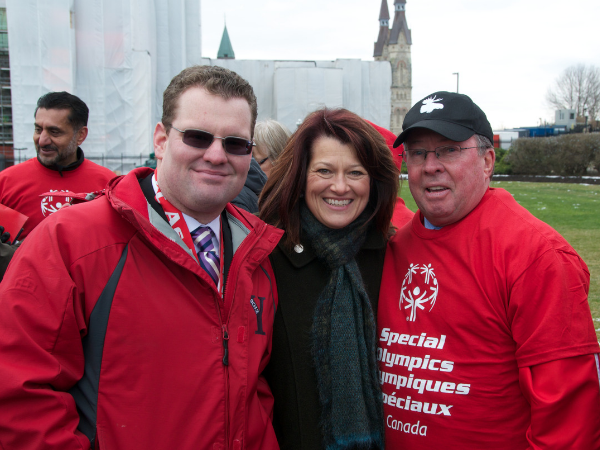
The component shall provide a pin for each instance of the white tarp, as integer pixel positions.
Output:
(376, 92)
(288, 90)
(118, 56)
(303, 90)
(41, 60)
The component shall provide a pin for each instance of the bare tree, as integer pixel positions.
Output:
(577, 88)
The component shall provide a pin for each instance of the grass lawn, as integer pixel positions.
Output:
(572, 209)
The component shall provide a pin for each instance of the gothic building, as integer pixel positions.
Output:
(393, 45)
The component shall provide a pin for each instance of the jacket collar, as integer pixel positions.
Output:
(60, 169)
(256, 178)
(126, 195)
(302, 255)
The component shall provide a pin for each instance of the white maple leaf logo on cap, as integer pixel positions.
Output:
(429, 104)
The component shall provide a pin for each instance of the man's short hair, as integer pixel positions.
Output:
(271, 137)
(483, 143)
(79, 112)
(216, 80)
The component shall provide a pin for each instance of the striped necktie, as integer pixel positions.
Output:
(202, 237)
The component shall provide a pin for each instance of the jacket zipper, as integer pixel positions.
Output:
(226, 364)
(226, 350)
(225, 334)
(225, 346)
(226, 343)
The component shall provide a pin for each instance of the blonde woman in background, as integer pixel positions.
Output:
(270, 137)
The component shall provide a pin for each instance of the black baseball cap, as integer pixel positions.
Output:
(452, 115)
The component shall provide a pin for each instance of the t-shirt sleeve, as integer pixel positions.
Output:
(564, 396)
(548, 309)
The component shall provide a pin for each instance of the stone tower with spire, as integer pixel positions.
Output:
(393, 45)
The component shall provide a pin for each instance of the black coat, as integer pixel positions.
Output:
(255, 180)
(6, 253)
(300, 279)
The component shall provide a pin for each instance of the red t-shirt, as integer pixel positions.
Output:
(461, 310)
(21, 186)
(402, 214)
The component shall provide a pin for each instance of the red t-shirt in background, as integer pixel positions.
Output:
(21, 186)
(402, 214)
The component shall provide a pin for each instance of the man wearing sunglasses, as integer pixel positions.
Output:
(143, 319)
(486, 340)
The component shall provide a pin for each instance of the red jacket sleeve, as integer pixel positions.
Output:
(41, 355)
(565, 403)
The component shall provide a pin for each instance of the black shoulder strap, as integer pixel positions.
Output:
(85, 392)
(148, 190)
(227, 246)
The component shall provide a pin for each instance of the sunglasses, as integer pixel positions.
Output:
(203, 139)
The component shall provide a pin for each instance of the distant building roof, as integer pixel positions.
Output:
(384, 14)
(384, 31)
(400, 25)
(225, 49)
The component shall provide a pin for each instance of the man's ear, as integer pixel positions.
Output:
(489, 159)
(160, 140)
(81, 135)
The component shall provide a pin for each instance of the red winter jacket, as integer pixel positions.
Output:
(111, 333)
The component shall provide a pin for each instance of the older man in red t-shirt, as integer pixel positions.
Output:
(486, 340)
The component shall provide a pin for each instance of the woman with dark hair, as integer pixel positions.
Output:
(333, 192)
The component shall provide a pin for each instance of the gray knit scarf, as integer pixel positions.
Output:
(344, 340)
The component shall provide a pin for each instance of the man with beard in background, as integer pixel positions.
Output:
(60, 128)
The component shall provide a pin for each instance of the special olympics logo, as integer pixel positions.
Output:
(52, 204)
(419, 289)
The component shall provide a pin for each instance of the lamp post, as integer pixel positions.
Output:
(19, 150)
(456, 73)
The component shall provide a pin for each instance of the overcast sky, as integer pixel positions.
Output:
(508, 53)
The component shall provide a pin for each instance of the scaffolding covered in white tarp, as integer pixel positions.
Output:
(118, 56)
(289, 90)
